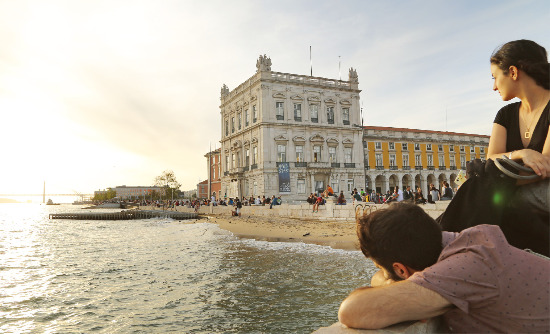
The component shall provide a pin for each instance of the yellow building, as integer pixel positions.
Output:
(410, 157)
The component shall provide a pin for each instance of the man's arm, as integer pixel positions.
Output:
(379, 307)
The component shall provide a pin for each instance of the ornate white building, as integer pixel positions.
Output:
(289, 135)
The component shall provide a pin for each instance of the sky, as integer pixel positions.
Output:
(97, 94)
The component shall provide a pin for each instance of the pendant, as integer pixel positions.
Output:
(527, 135)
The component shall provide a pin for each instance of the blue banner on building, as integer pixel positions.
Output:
(284, 177)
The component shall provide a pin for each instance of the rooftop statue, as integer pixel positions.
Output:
(224, 90)
(353, 75)
(263, 63)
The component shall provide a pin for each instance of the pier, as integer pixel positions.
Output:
(125, 215)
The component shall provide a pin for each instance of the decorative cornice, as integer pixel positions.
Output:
(279, 96)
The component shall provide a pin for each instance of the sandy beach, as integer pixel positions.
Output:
(336, 234)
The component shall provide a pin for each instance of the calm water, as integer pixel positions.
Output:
(161, 276)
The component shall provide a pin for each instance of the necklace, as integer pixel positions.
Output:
(528, 133)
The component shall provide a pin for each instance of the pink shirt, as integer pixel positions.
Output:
(494, 286)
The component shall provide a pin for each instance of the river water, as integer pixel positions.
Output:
(162, 276)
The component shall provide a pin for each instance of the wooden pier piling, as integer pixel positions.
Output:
(124, 215)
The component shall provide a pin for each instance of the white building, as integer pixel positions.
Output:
(311, 123)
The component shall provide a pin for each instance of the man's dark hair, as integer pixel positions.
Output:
(402, 233)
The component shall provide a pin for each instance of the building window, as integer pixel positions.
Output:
(461, 148)
(226, 127)
(417, 160)
(226, 163)
(452, 160)
(347, 155)
(451, 148)
(246, 157)
(404, 147)
(417, 147)
(234, 161)
(239, 121)
(332, 154)
(232, 124)
(350, 185)
(406, 159)
(280, 110)
(254, 114)
(428, 147)
(314, 111)
(345, 115)
(281, 153)
(440, 148)
(297, 112)
(335, 187)
(392, 160)
(330, 115)
(482, 149)
(378, 145)
(301, 186)
(472, 149)
(430, 160)
(255, 155)
(379, 161)
(316, 153)
(299, 153)
(391, 145)
(462, 161)
(246, 118)
(441, 159)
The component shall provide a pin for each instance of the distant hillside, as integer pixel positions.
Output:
(8, 200)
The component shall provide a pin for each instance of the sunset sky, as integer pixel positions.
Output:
(96, 94)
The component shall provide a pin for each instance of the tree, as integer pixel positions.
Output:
(168, 179)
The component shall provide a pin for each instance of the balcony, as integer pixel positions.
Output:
(280, 117)
(225, 173)
(418, 167)
(300, 164)
(314, 120)
(442, 168)
(245, 169)
(253, 166)
(335, 164)
(346, 122)
(393, 167)
(297, 119)
(318, 164)
(254, 120)
(349, 165)
(431, 168)
(330, 121)
(379, 167)
(406, 167)
(453, 168)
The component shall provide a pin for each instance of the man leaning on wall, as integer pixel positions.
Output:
(474, 279)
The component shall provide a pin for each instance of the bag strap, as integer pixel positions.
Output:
(517, 166)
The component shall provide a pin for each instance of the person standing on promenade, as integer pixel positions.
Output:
(475, 279)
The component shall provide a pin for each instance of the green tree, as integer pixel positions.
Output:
(105, 196)
(168, 180)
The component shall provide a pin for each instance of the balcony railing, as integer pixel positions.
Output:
(442, 167)
(330, 121)
(253, 166)
(225, 173)
(349, 165)
(297, 119)
(300, 164)
(406, 167)
(431, 168)
(314, 120)
(335, 164)
(346, 122)
(379, 167)
(393, 167)
(418, 167)
(280, 117)
(453, 168)
(245, 169)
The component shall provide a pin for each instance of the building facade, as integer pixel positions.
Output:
(213, 162)
(135, 192)
(409, 157)
(301, 128)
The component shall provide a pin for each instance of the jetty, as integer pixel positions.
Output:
(125, 215)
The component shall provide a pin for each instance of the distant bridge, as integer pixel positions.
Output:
(29, 195)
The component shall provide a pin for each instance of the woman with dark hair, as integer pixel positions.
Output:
(520, 130)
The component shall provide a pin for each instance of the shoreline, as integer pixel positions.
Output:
(338, 235)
